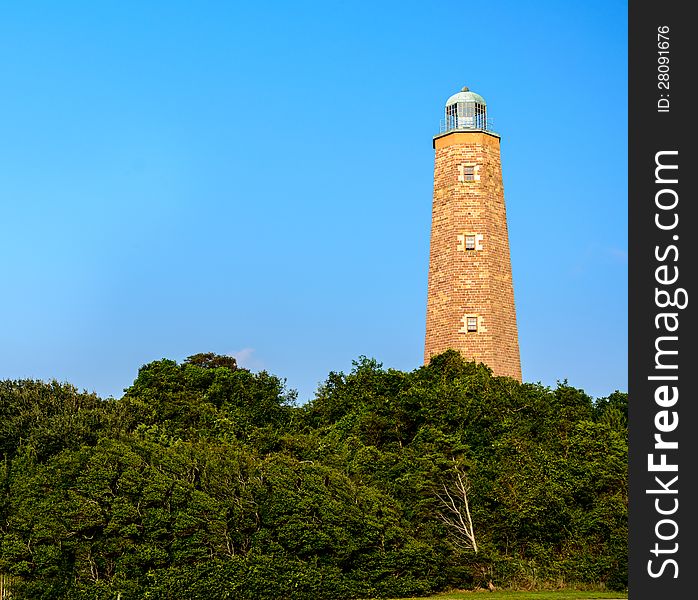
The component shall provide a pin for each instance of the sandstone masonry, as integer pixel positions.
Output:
(470, 302)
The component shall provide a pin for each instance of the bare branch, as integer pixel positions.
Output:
(455, 513)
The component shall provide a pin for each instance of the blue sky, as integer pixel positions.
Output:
(256, 180)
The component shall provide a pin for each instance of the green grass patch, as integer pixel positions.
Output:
(503, 595)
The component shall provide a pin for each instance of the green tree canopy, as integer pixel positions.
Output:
(206, 480)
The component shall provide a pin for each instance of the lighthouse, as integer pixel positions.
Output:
(470, 298)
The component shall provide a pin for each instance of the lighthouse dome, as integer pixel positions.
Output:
(465, 95)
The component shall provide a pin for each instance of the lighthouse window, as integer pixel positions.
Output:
(470, 242)
(471, 324)
(468, 173)
(451, 117)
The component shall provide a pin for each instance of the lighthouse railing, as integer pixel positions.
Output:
(454, 123)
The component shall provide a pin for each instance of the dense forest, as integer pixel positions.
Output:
(208, 481)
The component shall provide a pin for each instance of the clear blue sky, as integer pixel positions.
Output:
(256, 178)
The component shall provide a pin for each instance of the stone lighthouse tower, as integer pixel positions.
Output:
(470, 303)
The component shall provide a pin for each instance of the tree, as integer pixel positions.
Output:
(207, 481)
(455, 509)
(209, 360)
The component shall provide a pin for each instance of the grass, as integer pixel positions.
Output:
(557, 595)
